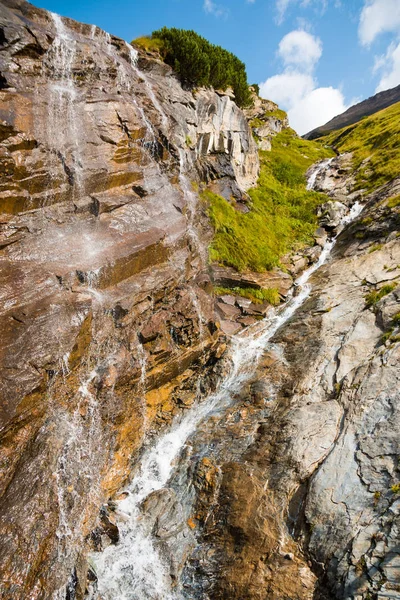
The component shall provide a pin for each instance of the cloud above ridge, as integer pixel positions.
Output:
(296, 89)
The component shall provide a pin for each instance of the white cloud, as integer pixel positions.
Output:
(301, 49)
(389, 66)
(212, 8)
(296, 90)
(287, 89)
(378, 16)
(316, 108)
(283, 5)
(281, 8)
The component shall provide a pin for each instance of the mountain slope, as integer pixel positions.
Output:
(357, 112)
(374, 144)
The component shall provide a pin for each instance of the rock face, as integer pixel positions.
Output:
(105, 330)
(266, 120)
(305, 504)
(289, 489)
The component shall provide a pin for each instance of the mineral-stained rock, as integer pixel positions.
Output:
(104, 329)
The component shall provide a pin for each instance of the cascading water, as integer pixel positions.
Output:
(63, 129)
(191, 206)
(135, 569)
(318, 169)
(149, 88)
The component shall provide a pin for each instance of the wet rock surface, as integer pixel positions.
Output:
(305, 497)
(105, 332)
(290, 489)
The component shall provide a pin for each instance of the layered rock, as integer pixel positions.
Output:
(105, 330)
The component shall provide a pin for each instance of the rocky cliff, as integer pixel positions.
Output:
(129, 432)
(105, 323)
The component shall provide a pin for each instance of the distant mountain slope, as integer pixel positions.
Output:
(374, 143)
(357, 112)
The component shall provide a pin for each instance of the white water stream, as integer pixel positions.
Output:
(134, 568)
(63, 122)
(313, 177)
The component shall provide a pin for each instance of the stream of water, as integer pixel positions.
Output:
(63, 130)
(134, 569)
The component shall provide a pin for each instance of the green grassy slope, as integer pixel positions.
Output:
(375, 143)
(282, 215)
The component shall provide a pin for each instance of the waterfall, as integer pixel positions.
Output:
(149, 88)
(316, 171)
(191, 206)
(63, 133)
(134, 569)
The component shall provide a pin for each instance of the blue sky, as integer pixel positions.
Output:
(314, 57)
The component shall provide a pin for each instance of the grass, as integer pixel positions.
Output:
(376, 138)
(277, 113)
(283, 213)
(373, 297)
(258, 296)
(149, 44)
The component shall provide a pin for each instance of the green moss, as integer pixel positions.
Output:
(373, 297)
(387, 336)
(395, 488)
(367, 221)
(283, 212)
(257, 122)
(393, 202)
(258, 296)
(375, 138)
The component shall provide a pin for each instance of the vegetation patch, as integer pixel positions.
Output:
(374, 142)
(277, 114)
(150, 44)
(258, 296)
(393, 202)
(373, 297)
(200, 63)
(283, 213)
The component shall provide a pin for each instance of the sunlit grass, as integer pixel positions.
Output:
(376, 138)
(283, 212)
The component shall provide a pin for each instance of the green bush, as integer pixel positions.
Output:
(256, 88)
(198, 62)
